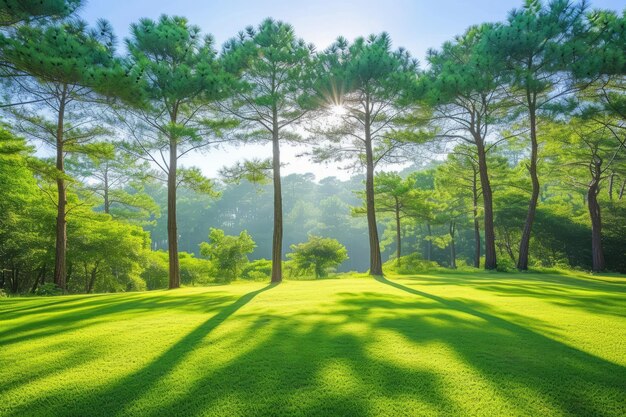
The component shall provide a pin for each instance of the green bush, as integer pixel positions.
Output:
(318, 255)
(410, 264)
(195, 271)
(228, 254)
(155, 272)
(135, 283)
(505, 264)
(258, 270)
(48, 288)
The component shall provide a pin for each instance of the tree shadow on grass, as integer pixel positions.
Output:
(338, 362)
(518, 358)
(75, 316)
(590, 294)
(114, 399)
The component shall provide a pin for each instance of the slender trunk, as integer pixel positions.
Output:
(15, 279)
(172, 229)
(597, 253)
(509, 248)
(69, 272)
(107, 204)
(39, 278)
(485, 183)
(85, 267)
(60, 272)
(621, 191)
(476, 223)
(452, 246)
(376, 266)
(524, 247)
(398, 233)
(92, 279)
(611, 179)
(429, 243)
(277, 240)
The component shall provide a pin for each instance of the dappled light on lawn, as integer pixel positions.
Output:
(453, 344)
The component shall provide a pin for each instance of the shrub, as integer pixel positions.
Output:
(229, 254)
(155, 273)
(318, 254)
(49, 288)
(258, 270)
(410, 264)
(505, 264)
(195, 271)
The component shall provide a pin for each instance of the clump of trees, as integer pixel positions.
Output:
(530, 111)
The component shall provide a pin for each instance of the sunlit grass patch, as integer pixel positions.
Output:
(430, 344)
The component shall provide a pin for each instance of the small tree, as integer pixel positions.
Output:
(118, 179)
(319, 253)
(228, 253)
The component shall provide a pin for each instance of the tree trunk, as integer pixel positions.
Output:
(277, 240)
(172, 228)
(621, 191)
(92, 279)
(476, 223)
(429, 243)
(596, 227)
(398, 233)
(524, 247)
(452, 246)
(485, 183)
(39, 279)
(107, 204)
(15, 287)
(611, 180)
(69, 272)
(376, 266)
(60, 256)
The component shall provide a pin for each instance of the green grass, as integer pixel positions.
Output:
(452, 344)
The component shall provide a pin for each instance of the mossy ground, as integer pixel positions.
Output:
(449, 344)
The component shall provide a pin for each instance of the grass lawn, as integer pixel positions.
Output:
(452, 344)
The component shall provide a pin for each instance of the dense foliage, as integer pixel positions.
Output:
(530, 114)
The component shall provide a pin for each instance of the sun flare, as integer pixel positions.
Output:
(337, 110)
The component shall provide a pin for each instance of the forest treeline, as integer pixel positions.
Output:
(514, 132)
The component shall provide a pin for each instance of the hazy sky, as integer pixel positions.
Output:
(416, 25)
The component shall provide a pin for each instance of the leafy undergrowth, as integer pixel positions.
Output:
(453, 344)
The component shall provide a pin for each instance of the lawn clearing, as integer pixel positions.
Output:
(452, 344)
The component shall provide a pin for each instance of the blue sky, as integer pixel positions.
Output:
(416, 25)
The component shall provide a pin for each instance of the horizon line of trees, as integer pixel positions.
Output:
(547, 86)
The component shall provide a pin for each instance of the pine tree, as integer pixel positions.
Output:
(370, 83)
(465, 86)
(180, 78)
(71, 68)
(533, 44)
(276, 70)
